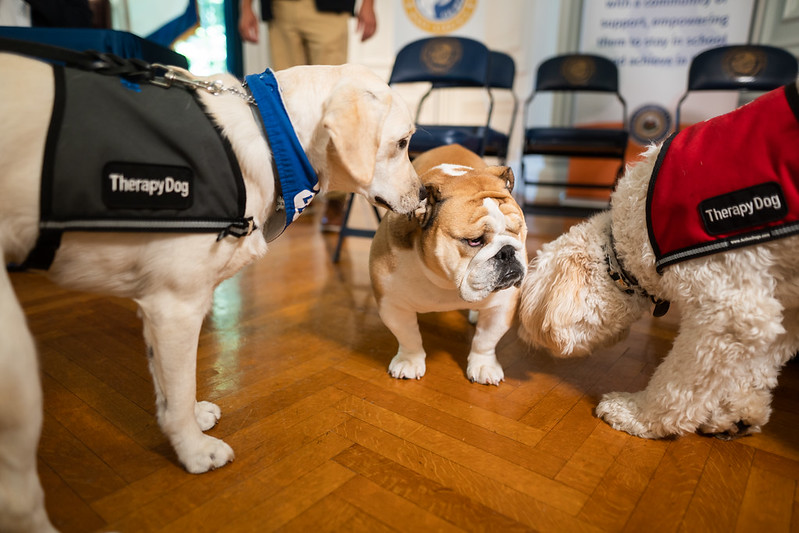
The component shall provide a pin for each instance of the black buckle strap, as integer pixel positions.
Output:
(43, 253)
(91, 60)
(238, 229)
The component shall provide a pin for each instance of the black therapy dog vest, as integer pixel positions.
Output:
(127, 156)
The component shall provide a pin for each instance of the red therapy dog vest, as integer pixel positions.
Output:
(728, 182)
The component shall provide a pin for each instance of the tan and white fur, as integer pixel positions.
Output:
(739, 315)
(464, 250)
(354, 130)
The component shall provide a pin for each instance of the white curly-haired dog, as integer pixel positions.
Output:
(739, 308)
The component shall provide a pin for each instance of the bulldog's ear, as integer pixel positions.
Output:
(354, 120)
(505, 174)
(426, 213)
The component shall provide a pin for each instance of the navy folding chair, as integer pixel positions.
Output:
(445, 63)
(574, 73)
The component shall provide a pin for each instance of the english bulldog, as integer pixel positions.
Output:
(464, 249)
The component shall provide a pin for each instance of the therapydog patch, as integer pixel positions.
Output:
(727, 182)
(145, 186)
(746, 208)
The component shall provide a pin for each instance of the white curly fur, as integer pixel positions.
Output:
(739, 318)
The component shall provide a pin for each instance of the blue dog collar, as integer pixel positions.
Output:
(297, 178)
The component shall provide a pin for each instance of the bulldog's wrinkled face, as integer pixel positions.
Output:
(473, 231)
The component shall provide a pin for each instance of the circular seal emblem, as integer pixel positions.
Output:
(650, 123)
(439, 16)
(743, 62)
(441, 54)
(578, 70)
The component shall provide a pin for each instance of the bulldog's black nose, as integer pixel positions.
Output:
(422, 193)
(509, 270)
(506, 253)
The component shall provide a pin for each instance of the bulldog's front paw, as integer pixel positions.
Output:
(207, 414)
(485, 369)
(620, 410)
(404, 366)
(204, 454)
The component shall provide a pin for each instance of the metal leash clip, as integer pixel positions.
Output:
(171, 77)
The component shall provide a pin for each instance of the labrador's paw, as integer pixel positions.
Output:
(205, 454)
(207, 414)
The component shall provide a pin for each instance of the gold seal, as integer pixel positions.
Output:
(743, 62)
(578, 70)
(439, 55)
(433, 17)
(650, 123)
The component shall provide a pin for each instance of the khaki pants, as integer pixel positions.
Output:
(301, 35)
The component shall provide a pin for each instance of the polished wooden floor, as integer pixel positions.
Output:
(295, 355)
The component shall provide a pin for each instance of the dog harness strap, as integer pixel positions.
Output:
(48, 241)
(43, 253)
(625, 281)
(89, 60)
(728, 182)
(298, 180)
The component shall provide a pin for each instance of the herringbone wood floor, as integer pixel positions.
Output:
(295, 354)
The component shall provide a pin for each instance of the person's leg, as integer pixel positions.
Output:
(286, 46)
(323, 39)
(326, 34)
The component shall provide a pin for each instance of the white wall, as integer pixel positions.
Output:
(530, 31)
(777, 24)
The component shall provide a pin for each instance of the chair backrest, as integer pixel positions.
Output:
(746, 67)
(444, 62)
(574, 74)
(577, 72)
(742, 67)
(501, 70)
(453, 61)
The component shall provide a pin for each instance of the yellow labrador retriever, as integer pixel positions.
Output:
(354, 131)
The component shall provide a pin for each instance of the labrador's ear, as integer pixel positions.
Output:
(353, 118)
(505, 174)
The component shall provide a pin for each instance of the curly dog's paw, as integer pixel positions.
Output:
(620, 410)
(735, 431)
